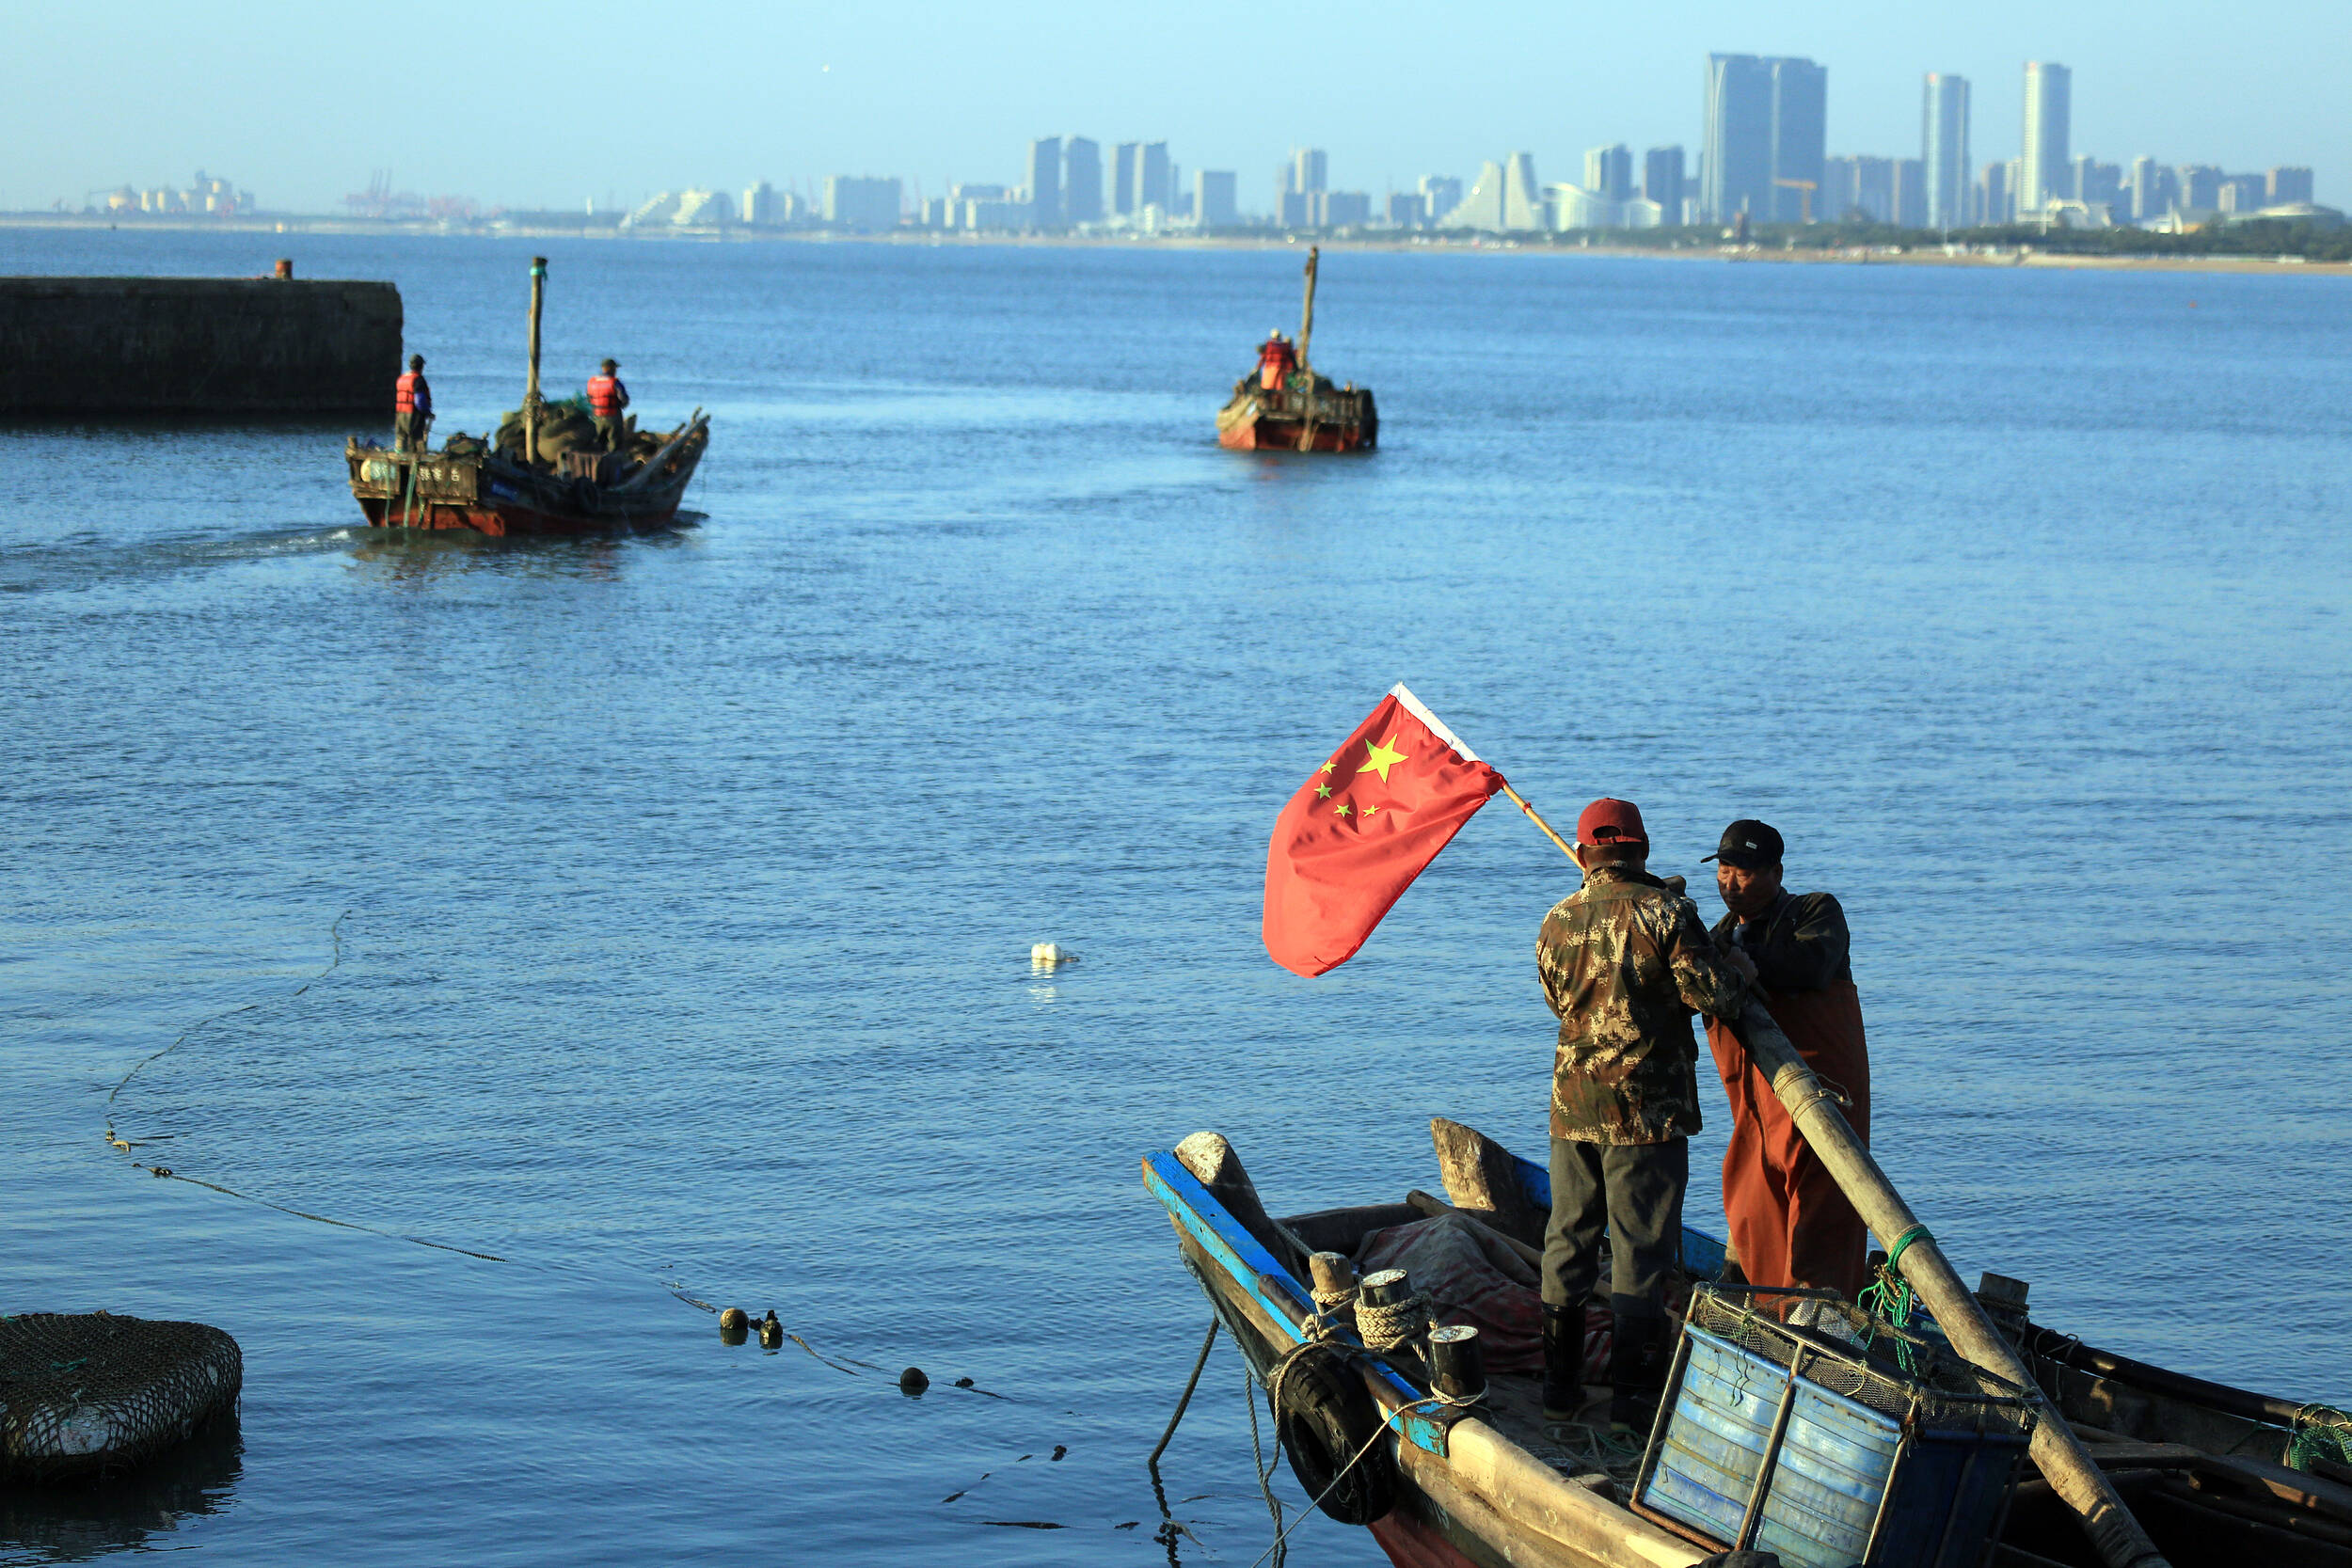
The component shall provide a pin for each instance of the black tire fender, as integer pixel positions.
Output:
(1324, 1416)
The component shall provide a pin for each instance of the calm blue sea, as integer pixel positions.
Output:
(664, 903)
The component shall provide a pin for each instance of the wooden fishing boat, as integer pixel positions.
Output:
(2205, 1467)
(525, 480)
(1307, 413)
(465, 486)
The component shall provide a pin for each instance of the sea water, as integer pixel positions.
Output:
(547, 941)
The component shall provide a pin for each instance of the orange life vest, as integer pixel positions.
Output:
(404, 392)
(606, 396)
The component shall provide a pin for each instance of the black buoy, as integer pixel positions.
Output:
(1458, 1367)
(1385, 1288)
(963, 1382)
(771, 1331)
(734, 1326)
(911, 1382)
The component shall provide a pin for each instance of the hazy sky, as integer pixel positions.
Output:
(527, 105)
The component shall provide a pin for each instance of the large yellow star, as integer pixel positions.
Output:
(1381, 758)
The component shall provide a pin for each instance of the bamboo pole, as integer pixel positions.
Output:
(1532, 816)
(531, 385)
(1306, 324)
(2056, 1451)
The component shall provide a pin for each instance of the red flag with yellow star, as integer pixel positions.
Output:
(1358, 832)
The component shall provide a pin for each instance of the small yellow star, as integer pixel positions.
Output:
(1341, 808)
(1369, 810)
(1328, 765)
(1381, 758)
(1323, 792)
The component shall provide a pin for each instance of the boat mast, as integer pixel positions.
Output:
(1307, 326)
(531, 385)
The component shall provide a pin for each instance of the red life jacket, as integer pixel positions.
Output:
(404, 392)
(605, 396)
(1276, 351)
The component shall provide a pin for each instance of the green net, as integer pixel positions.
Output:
(86, 1393)
(2321, 1431)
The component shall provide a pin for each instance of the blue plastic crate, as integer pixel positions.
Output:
(1869, 1466)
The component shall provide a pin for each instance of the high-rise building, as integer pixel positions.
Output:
(1440, 194)
(1910, 193)
(1609, 172)
(2042, 165)
(2243, 193)
(2288, 184)
(1522, 197)
(1482, 205)
(1735, 168)
(1081, 181)
(1874, 188)
(1126, 166)
(1944, 150)
(1155, 185)
(1213, 204)
(2090, 180)
(855, 203)
(1996, 203)
(1661, 181)
(2201, 187)
(1800, 135)
(1310, 170)
(1408, 209)
(1767, 127)
(1045, 182)
(1839, 197)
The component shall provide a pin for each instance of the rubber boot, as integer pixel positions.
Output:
(1564, 1363)
(1637, 1374)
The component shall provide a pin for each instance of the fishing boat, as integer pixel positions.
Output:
(1306, 412)
(539, 473)
(1456, 1465)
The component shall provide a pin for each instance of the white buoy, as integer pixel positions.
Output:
(1049, 955)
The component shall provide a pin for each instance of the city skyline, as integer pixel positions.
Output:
(792, 98)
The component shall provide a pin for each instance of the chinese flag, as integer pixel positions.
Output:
(1361, 827)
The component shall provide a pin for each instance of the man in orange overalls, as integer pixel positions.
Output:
(1276, 360)
(1790, 1225)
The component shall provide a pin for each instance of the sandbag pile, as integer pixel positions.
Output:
(564, 426)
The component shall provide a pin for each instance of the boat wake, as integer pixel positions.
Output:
(86, 560)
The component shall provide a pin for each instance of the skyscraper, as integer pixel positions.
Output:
(2289, 183)
(1800, 136)
(1996, 198)
(1767, 137)
(1154, 184)
(1213, 205)
(1609, 172)
(2043, 173)
(1081, 181)
(1045, 182)
(1522, 199)
(1126, 165)
(1311, 169)
(1661, 181)
(1943, 149)
(1736, 171)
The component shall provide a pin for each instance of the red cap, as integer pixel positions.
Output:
(1608, 821)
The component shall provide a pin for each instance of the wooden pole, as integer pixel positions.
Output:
(531, 385)
(2057, 1450)
(1532, 816)
(1306, 325)
(2058, 1453)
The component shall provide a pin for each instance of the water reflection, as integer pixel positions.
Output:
(77, 1522)
(417, 555)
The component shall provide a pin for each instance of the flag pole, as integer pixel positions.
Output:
(1535, 816)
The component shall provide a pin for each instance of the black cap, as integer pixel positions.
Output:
(1749, 844)
(416, 361)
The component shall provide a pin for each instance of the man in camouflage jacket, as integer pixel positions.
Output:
(1625, 962)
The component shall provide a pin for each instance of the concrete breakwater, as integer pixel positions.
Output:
(141, 346)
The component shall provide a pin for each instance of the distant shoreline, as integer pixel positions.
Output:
(1424, 243)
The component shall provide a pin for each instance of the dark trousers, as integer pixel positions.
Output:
(608, 433)
(408, 429)
(1635, 1190)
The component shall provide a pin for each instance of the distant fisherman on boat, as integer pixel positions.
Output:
(607, 397)
(1624, 962)
(1790, 1223)
(412, 408)
(1277, 359)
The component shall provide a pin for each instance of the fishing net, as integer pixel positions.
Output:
(88, 1393)
(2321, 1431)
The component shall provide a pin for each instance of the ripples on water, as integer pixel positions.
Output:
(690, 878)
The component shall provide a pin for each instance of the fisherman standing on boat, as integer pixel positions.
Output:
(607, 397)
(1624, 962)
(1790, 1223)
(1277, 359)
(412, 408)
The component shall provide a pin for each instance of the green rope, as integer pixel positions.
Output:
(2321, 1431)
(1894, 1253)
(1889, 1301)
